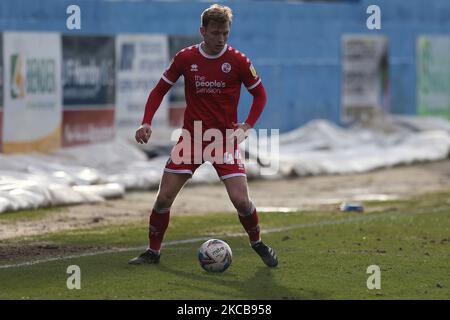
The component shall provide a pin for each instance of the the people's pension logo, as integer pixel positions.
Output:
(208, 86)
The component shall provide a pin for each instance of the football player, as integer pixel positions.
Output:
(213, 72)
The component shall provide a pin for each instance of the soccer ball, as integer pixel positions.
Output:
(215, 255)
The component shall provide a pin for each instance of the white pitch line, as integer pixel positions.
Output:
(193, 240)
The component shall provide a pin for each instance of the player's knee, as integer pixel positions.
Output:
(163, 201)
(242, 204)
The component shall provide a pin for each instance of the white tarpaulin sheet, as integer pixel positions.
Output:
(320, 147)
(97, 172)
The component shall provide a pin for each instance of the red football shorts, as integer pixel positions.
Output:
(186, 157)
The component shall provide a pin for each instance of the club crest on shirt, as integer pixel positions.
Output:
(194, 67)
(226, 67)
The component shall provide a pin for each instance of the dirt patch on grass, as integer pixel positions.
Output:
(16, 253)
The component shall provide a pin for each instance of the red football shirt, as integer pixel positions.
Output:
(212, 85)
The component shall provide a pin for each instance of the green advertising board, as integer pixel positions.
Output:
(433, 76)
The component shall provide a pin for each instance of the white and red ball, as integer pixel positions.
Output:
(215, 255)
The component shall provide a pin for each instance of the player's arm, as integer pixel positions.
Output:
(154, 100)
(253, 83)
(259, 101)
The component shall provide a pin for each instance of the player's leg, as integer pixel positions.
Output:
(238, 192)
(237, 189)
(170, 185)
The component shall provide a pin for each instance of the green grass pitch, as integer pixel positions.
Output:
(323, 255)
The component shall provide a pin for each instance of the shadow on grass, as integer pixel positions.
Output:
(261, 286)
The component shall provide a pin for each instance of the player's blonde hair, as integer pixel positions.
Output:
(216, 13)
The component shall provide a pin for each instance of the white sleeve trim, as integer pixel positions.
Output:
(167, 80)
(254, 86)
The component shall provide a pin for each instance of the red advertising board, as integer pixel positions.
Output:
(88, 126)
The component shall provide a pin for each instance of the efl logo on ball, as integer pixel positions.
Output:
(215, 255)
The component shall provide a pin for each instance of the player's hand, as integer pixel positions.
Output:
(143, 133)
(240, 131)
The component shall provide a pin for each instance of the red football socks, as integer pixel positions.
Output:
(157, 227)
(251, 226)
